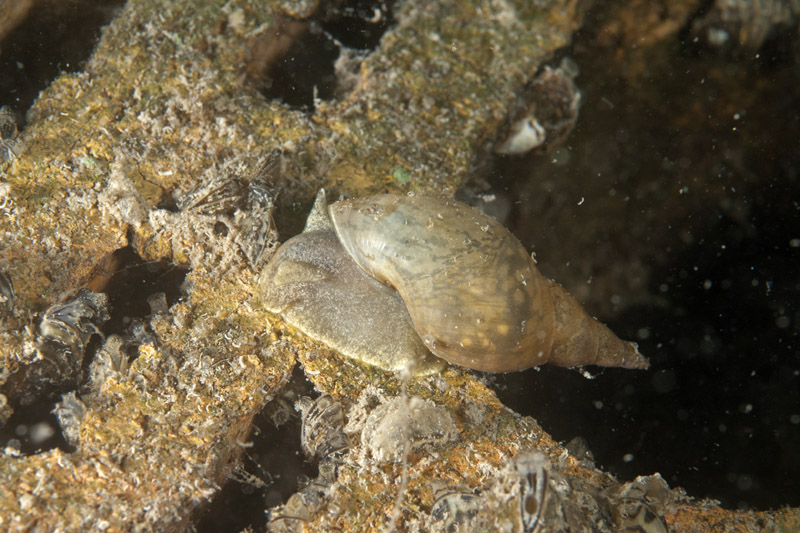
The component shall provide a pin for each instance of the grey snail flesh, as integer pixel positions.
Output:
(316, 287)
(473, 294)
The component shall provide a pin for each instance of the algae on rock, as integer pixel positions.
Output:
(110, 156)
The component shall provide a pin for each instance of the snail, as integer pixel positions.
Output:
(390, 279)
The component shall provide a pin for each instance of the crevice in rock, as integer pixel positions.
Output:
(294, 61)
(117, 300)
(129, 281)
(55, 36)
(33, 429)
(272, 468)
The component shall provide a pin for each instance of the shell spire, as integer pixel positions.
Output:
(579, 339)
(474, 295)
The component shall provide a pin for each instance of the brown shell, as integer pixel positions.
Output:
(318, 288)
(473, 293)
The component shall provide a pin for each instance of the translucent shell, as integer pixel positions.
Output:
(473, 293)
(318, 288)
(382, 278)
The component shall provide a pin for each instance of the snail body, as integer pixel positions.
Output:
(468, 287)
(319, 289)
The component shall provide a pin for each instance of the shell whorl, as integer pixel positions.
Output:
(474, 294)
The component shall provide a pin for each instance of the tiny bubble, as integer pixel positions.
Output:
(627, 458)
(41, 432)
(744, 482)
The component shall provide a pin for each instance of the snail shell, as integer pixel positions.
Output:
(316, 287)
(469, 288)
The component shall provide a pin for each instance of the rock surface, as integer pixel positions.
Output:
(164, 145)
